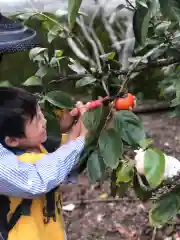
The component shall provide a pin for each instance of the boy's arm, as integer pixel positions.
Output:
(27, 180)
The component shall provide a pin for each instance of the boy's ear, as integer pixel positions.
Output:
(11, 141)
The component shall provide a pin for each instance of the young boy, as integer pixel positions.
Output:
(23, 131)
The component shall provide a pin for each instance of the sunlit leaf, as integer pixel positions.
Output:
(60, 99)
(73, 9)
(33, 81)
(95, 167)
(111, 147)
(154, 166)
(85, 81)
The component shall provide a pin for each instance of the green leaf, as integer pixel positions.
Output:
(85, 81)
(129, 127)
(55, 61)
(164, 210)
(25, 16)
(145, 143)
(162, 28)
(140, 187)
(143, 3)
(108, 56)
(33, 81)
(73, 9)
(124, 173)
(154, 166)
(95, 167)
(5, 84)
(141, 20)
(54, 31)
(78, 68)
(92, 119)
(170, 9)
(58, 53)
(38, 54)
(60, 99)
(111, 147)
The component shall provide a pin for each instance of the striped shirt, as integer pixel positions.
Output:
(28, 180)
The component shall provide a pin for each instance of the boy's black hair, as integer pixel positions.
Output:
(16, 105)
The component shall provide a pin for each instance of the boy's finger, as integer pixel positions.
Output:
(74, 112)
(81, 107)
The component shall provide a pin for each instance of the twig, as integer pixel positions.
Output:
(130, 4)
(107, 200)
(154, 233)
(112, 35)
(156, 64)
(94, 16)
(98, 42)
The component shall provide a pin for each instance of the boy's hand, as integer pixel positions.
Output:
(82, 109)
(78, 129)
(68, 119)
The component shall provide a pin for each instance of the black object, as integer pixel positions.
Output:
(15, 37)
(23, 209)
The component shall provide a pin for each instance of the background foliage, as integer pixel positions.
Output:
(87, 59)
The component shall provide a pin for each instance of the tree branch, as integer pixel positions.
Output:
(155, 64)
(130, 4)
(106, 200)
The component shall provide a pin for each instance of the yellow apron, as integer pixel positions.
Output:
(32, 227)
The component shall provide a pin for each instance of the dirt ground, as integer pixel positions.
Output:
(126, 219)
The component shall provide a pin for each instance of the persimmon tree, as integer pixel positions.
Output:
(95, 68)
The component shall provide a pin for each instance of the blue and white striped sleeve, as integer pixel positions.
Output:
(28, 180)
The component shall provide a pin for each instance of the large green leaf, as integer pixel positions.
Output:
(145, 143)
(154, 166)
(54, 32)
(60, 99)
(164, 210)
(39, 54)
(124, 173)
(92, 119)
(5, 84)
(78, 68)
(108, 56)
(73, 9)
(170, 9)
(85, 81)
(111, 147)
(33, 81)
(95, 167)
(141, 20)
(129, 127)
(142, 3)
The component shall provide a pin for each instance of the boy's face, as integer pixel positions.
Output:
(34, 131)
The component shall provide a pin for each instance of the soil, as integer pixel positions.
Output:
(125, 219)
